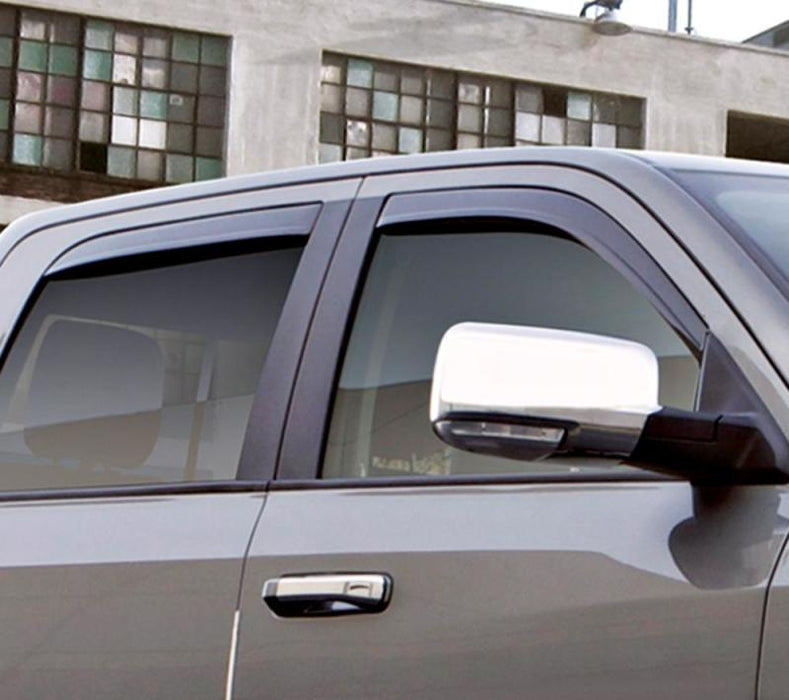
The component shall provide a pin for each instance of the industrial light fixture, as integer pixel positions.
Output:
(607, 22)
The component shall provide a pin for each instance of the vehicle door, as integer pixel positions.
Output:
(138, 338)
(563, 579)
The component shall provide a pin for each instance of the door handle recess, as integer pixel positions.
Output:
(319, 595)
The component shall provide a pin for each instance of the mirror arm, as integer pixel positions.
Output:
(712, 448)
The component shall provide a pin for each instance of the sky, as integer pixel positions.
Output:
(730, 20)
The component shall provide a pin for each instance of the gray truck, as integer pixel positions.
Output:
(503, 424)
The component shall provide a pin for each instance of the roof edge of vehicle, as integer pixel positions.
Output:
(603, 162)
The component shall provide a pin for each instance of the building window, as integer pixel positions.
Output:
(124, 100)
(375, 108)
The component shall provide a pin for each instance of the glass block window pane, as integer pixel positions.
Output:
(409, 140)
(411, 110)
(578, 133)
(385, 137)
(469, 141)
(64, 29)
(179, 168)
(441, 84)
(33, 25)
(59, 122)
(212, 80)
(30, 87)
(628, 137)
(186, 47)
(154, 73)
(95, 96)
(180, 138)
(93, 127)
(121, 162)
(125, 101)
(357, 102)
(6, 51)
(605, 108)
(127, 40)
(360, 73)
(28, 150)
(329, 153)
(527, 127)
(183, 77)
(4, 114)
(207, 168)
(579, 105)
(209, 142)
(62, 60)
(386, 106)
(630, 111)
(604, 135)
(332, 69)
(357, 133)
(97, 65)
(99, 35)
(57, 154)
(412, 81)
(528, 98)
(210, 111)
(28, 118)
(152, 134)
(149, 165)
(153, 104)
(332, 99)
(213, 51)
(155, 42)
(553, 130)
(33, 56)
(7, 21)
(124, 69)
(470, 91)
(124, 130)
(387, 78)
(181, 108)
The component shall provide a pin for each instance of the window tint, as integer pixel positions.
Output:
(419, 286)
(140, 376)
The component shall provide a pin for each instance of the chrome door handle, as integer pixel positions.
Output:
(314, 595)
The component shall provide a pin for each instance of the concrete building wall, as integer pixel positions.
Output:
(689, 84)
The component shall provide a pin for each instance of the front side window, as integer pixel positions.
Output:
(421, 285)
(139, 376)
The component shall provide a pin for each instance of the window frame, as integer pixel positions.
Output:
(312, 213)
(505, 198)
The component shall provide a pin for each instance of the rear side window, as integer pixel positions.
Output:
(139, 376)
(419, 286)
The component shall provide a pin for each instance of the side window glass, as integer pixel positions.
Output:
(140, 375)
(418, 286)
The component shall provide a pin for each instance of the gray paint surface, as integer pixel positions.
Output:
(540, 591)
(120, 597)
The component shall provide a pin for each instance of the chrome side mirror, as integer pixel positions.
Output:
(527, 393)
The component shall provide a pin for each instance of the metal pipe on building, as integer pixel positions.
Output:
(689, 28)
(672, 15)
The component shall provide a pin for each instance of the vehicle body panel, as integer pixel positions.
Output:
(573, 589)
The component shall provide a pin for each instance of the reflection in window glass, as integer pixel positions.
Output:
(420, 286)
(139, 377)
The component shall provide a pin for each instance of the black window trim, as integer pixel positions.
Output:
(301, 457)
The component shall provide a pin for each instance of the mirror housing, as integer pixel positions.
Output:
(530, 393)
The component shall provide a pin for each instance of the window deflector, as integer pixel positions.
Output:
(265, 223)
